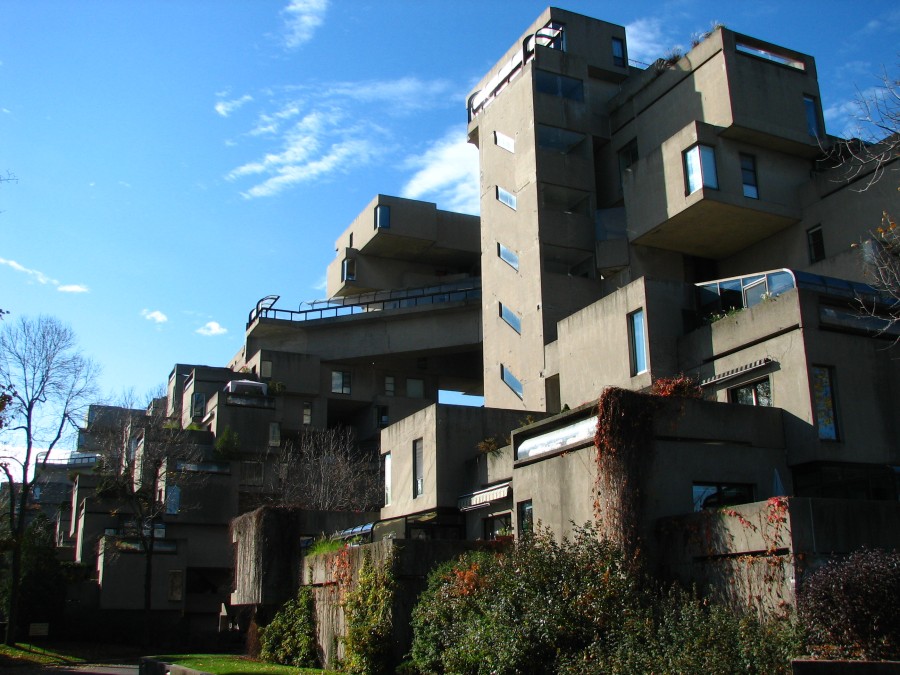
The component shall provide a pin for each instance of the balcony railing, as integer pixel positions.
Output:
(467, 289)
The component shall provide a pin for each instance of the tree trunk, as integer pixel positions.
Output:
(14, 580)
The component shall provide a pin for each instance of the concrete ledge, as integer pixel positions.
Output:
(154, 667)
(814, 667)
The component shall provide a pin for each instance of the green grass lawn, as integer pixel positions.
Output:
(225, 664)
(24, 654)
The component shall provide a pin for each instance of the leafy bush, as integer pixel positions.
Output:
(290, 638)
(682, 386)
(851, 606)
(368, 616)
(579, 606)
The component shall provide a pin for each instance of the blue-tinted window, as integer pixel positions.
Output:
(637, 342)
(508, 256)
(558, 85)
(812, 116)
(700, 168)
(511, 318)
(506, 197)
(618, 52)
(512, 381)
(382, 217)
(748, 176)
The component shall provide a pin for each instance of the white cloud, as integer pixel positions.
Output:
(301, 18)
(211, 328)
(73, 288)
(846, 118)
(155, 316)
(225, 108)
(446, 173)
(43, 279)
(647, 40)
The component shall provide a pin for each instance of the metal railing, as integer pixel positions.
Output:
(467, 289)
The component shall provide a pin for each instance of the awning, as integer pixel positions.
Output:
(734, 372)
(482, 498)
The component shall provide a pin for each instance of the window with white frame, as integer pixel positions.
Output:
(637, 342)
(418, 468)
(700, 168)
(506, 197)
(340, 382)
(748, 176)
(501, 140)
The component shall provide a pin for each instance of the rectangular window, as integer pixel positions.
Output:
(418, 468)
(265, 369)
(815, 242)
(508, 256)
(700, 168)
(511, 318)
(381, 416)
(307, 412)
(198, 405)
(274, 434)
(340, 382)
(715, 495)
(637, 342)
(348, 269)
(811, 107)
(387, 479)
(555, 138)
(506, 197)
(823, 397)
(525, 512)
(568, 88)
(748, 176)
(497, 526)
(754, 393)
(173, 500)
(504, 141)
(769, 55)
(618, 52)
(511, 381)
(382, 217)
(415, 388)
(389, 385)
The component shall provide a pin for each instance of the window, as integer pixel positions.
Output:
(511, 381)
(381, 416)
(418, 468)
(525, 511)
(198, 405)
(823, 398)
(511, 318)
(637, 342)
(810, 105)
(769, 55)
(552, 36)
(307, 412)
(495, 526)
(618, 52)
(508, 256)
(415, 388)
(387, 479)
(389, 386)
(382, 217)
(265, 369)
(714, 495)
(274, 434)
(506, 197)
(340, 382)
(555, 138)
(700, 168)
(350, 243)
(755, 393)
(348, 269)
(815, 242)
(748, 176)
(173, 500)
(504, 141)
(558, 85)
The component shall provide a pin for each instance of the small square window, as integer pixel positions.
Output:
(815, 242)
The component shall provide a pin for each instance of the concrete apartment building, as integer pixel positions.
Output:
(622, 209)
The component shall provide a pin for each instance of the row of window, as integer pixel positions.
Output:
(341, 383)
(700, 171)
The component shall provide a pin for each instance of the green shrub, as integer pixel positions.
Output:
(325, 545)
(290, 638)
(851, 606)
(368, 616)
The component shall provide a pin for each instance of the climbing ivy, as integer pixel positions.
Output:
(368, 616)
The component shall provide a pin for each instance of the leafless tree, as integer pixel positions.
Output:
(49, 382)
(325, 469)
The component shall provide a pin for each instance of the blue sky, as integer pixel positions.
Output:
(178, 161)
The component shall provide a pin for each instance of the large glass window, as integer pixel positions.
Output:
(418, 468)
(754, 393)
(637, 342)
(558, 85)
(823, 398)
(508, 256)
(382, 217)
(618, 52)
(506, 197)
(511, 318)
(387, 479)
(555, 138)
(714, 495)
(511, 381)
(748, 176)
(700, 168)
(340, 382)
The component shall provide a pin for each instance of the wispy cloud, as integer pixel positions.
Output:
(211, 328)
(155, 316)
(43, 279)
(648, 39)
(847, 118)
(446, 173)
(225, 108)
(301, 19)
